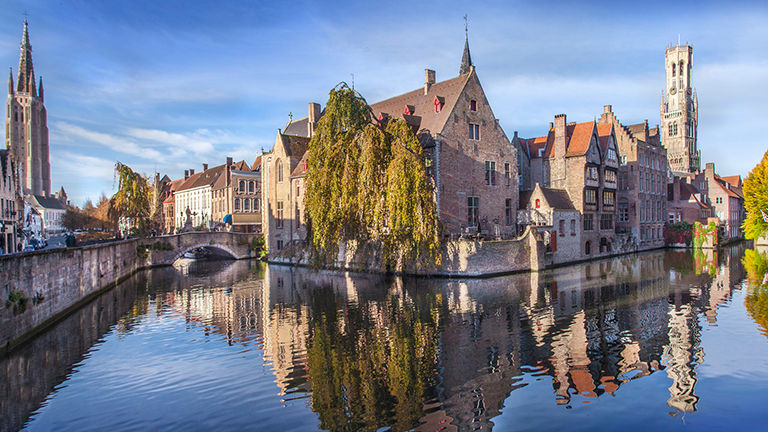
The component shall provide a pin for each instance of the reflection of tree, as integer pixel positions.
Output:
(372, 365)
(756, 300)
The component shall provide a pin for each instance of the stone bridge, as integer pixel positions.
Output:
(41, 287)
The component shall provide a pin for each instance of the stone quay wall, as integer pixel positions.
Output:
(39, 288)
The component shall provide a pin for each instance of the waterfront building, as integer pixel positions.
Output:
(551, 212)
(237, 196)
(641, 209)
(726, 198)
(168, 206)
(469, 158)
(679, 111)
(686, 203)
(26, 126)
(192, 200)
(51, 212)
(10, 201)
(583, 160)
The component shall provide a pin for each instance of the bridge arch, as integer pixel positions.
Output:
(220, 247)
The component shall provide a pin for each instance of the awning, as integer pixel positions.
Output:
(227, 219)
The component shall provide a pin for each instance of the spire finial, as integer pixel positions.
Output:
(26, 70)
(466, 59)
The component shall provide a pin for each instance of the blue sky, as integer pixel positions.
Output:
(169, 85)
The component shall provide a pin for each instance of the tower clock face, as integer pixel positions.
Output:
(672, 90)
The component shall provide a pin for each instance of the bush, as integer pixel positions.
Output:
(17, 300)
(680, 232)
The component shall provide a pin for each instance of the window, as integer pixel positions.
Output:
(298, 190)
(246, 204)
(587, 248)
(298, 218)
(508, 211)
(610, 176)
(279, 214)
(641, 182)
(674, 68)
(490, 173)
(623, 213)
(573, 227)
(588, 222)
(279, 245)
(251, 187)
(609, 197)
(562, 228)
(237, 204)
(507, 176)
(473, 105)
(279, 171)
(538, 203)
(590, 196)
(474, 131)
(241, 187)
(592, 173)
(257, 204)
(611, 154)
(606, 221)
(473, 204)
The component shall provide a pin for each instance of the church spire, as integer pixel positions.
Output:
(10, 81)
(40, 92)
(466, 59)
(26, 76)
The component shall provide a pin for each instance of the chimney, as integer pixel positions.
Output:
(429, 79)
(205, 167)
(515, 136)
(191, 172)
(314, 117)
(186, 174)
(560, 122)
(607, 109)
(229, 170)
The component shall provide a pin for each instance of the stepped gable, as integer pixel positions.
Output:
(421, 110)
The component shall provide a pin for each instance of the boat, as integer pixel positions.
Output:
(196, 254)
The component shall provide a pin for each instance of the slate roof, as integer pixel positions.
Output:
(556, 198)
(49, 203)
(422, 107)
(298, 127)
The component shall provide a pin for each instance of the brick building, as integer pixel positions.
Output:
(11, 204)
(685, 203)
(169, 209)
(726, 199)
(551, 212)
(642, 184)
(236, 196)
(583, 160)
(467, 154)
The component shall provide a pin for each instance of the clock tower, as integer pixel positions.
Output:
(680, 111)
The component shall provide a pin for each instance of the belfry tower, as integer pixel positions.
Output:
(26, 125)
(680, 111)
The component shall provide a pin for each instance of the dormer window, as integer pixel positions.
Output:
(409, 110)
(473, 105)
(439, 102)
(538, 203)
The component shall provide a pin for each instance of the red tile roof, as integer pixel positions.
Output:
(577, 137)
(603, 132)
(536, 145)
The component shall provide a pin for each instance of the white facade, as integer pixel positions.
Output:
(198, 201)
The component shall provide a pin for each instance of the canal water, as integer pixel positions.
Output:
(656, 341)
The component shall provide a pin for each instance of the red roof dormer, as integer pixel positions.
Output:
(439, 103)
(409, 110)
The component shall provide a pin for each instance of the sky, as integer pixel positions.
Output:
(166, 86)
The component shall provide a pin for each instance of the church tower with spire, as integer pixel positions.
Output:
(26, 125)
(680, 111)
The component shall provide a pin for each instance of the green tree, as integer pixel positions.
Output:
(367, 186)
(756, 199)
(132, 198)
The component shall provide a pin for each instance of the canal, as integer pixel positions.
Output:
(658, 341)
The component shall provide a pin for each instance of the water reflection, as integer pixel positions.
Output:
(351, 352)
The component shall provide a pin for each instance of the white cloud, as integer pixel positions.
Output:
(113, 142)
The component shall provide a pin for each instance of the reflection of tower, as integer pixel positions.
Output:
(682, 356)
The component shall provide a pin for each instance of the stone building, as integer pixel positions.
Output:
(469, 158)
(11, 204)
(680, 111)
(551, 212)
(582, 159)
(237, 196)
(26, 126)
(51, 211)
(685, 203)
(642, 184)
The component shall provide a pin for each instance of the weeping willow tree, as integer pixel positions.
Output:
(132, 199)
(756, 200)
(367, 186)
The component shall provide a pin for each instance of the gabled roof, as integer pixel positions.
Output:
(298, 127)
(256, 164)
(577, 138)
(423, 106)
(556, 198)
(221, 180)
(535, 145)
(48, 203)
(205, 178)
(603, 133)
(734, 181)
(688, 192)
(300, 169)
(731, 192)
(295, 146)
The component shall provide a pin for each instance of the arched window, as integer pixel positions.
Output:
(587, 247)
(538, 203)
(237, 204)
(242, 186)
(246, 204)
(250, 186)
(674, 67)
(681, 68)
(279, 171)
